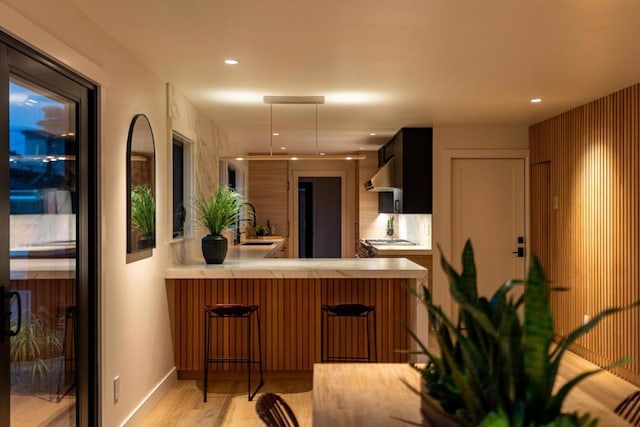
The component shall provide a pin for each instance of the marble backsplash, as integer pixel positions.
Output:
(414, 227)
(30, 230)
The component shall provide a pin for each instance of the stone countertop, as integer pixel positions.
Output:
(54, 268)
(395, 250)
(253, 252)
(384, 250)
(284, 268)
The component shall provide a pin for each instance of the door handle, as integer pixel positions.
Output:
(519, 252)
(4, 317)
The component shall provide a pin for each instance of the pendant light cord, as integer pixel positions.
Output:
(271, 130)
(316, 129)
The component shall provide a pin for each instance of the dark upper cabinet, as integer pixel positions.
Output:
(412, 150)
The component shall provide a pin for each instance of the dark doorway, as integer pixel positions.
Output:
(319, 217)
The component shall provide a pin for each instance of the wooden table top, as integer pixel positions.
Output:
(374, 394)
(365, 394)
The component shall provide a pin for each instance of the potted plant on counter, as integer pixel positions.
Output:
(497, 365)
(143, 215)
(216, 213)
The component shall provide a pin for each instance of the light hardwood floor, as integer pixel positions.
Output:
(227, 403)
(228, 406)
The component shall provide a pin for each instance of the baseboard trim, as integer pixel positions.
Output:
(138, 415)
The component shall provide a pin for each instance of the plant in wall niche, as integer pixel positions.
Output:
(143, 215)
(494, 368)
(216, 213)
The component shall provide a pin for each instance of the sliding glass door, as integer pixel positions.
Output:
(47, 243)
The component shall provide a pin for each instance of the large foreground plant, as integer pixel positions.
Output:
(495, 369)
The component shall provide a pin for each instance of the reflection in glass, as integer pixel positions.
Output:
(43, 203)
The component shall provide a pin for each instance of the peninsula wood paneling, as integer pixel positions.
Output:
(592, 245)
(290, 316)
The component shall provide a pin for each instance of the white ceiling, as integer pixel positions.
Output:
(393, 63)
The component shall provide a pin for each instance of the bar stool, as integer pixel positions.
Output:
(233, 311)
(341, 311)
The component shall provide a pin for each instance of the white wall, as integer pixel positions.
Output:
(460, 138)
(136, 335)
(209, 143)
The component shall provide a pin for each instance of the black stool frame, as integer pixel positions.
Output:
(341, 311)
(237, 312)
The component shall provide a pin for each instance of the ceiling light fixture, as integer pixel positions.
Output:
(317, 156)
(536, 100)
(231, 61)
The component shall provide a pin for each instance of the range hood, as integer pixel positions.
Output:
(383, 179)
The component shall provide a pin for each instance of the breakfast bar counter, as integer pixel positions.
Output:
(290, 293)
(281, 268)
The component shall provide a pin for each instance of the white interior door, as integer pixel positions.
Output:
(488, 207)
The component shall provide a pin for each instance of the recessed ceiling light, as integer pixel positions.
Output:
(536, 100)
(372, 134)
(283, 148)
(322, 154)
(275, 134)
(294, 158)
(231, 61)
(362, 148)
(239, 159)
(348, 158)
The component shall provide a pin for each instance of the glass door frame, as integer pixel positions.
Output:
(22, 61)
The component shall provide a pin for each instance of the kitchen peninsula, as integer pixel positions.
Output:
(290, 293)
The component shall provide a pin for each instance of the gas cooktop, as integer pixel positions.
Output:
(389, 242)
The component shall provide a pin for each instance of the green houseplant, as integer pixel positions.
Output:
(143, 215)
(494, 368)
(216, 213)
(34, 352)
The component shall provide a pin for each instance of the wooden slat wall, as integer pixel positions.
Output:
(54, 295)
(268, 193)
(290, 315)
(593, 243)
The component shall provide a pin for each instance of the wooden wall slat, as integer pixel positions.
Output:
(592, 244)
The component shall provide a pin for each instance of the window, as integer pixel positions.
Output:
(181, 184)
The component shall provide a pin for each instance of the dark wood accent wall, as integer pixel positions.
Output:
(290, 315)
(589, 160)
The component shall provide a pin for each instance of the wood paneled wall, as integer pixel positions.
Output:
(587, 161)
(290, 316)
(52, 295)
(268, 192)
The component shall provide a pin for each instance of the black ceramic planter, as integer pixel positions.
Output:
(214, 248)
(147, 241)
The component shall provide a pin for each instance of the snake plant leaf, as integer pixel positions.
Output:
(510, 348)
(554, 405)
(537, 337)
(557, 353)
